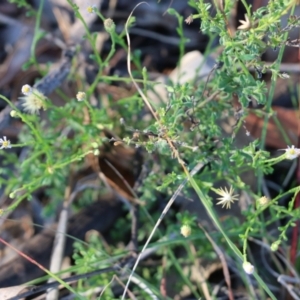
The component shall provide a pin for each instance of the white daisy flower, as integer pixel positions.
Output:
(91, 9)
(248, 268)
(291, 152)
(26, 89)
(34, 101)
(4, 143)
(227, 197)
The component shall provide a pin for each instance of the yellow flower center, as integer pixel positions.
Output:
(292, 151)
(5, 144)
(38, 102)
(90, 9)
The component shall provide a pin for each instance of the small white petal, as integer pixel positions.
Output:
(245, 24)
(5, 143)
(291, 152)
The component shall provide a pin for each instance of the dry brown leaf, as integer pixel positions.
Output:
(289, 120)
(121, 165)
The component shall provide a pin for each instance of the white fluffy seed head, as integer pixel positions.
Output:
(186, 230)
(80, 96)
(34, 101)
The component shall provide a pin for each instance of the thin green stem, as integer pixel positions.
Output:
(205, 201)
(35, 131)
(112, 49)
(270, 99)
(37, 31)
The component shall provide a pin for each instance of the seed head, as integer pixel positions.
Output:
(109, 25)
(186, 230)
(227, 197)
(246, 25)
(262, 201)
(33, 101)
(189, 19)
(81, 96)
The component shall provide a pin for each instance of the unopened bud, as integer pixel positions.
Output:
(186, 230)
(109, 25)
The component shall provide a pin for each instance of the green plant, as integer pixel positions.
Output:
(185, 133)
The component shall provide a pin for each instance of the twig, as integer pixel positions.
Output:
(59, 243)
(286, 282)
(201, 280)
(75, 278)
(175, 153)
(116, 268)
(223, 261)
(166, 209)
(38, 265)
(133, 246)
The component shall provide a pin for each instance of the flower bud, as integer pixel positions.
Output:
(96, 152)
(80, 96)
(109, 25)
(186, 230)
(95, 145)
(262, 201)
(50, 170)
(13, 114)
(248, 268)
(275, 246)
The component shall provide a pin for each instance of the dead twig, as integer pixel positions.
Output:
(223, 261)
